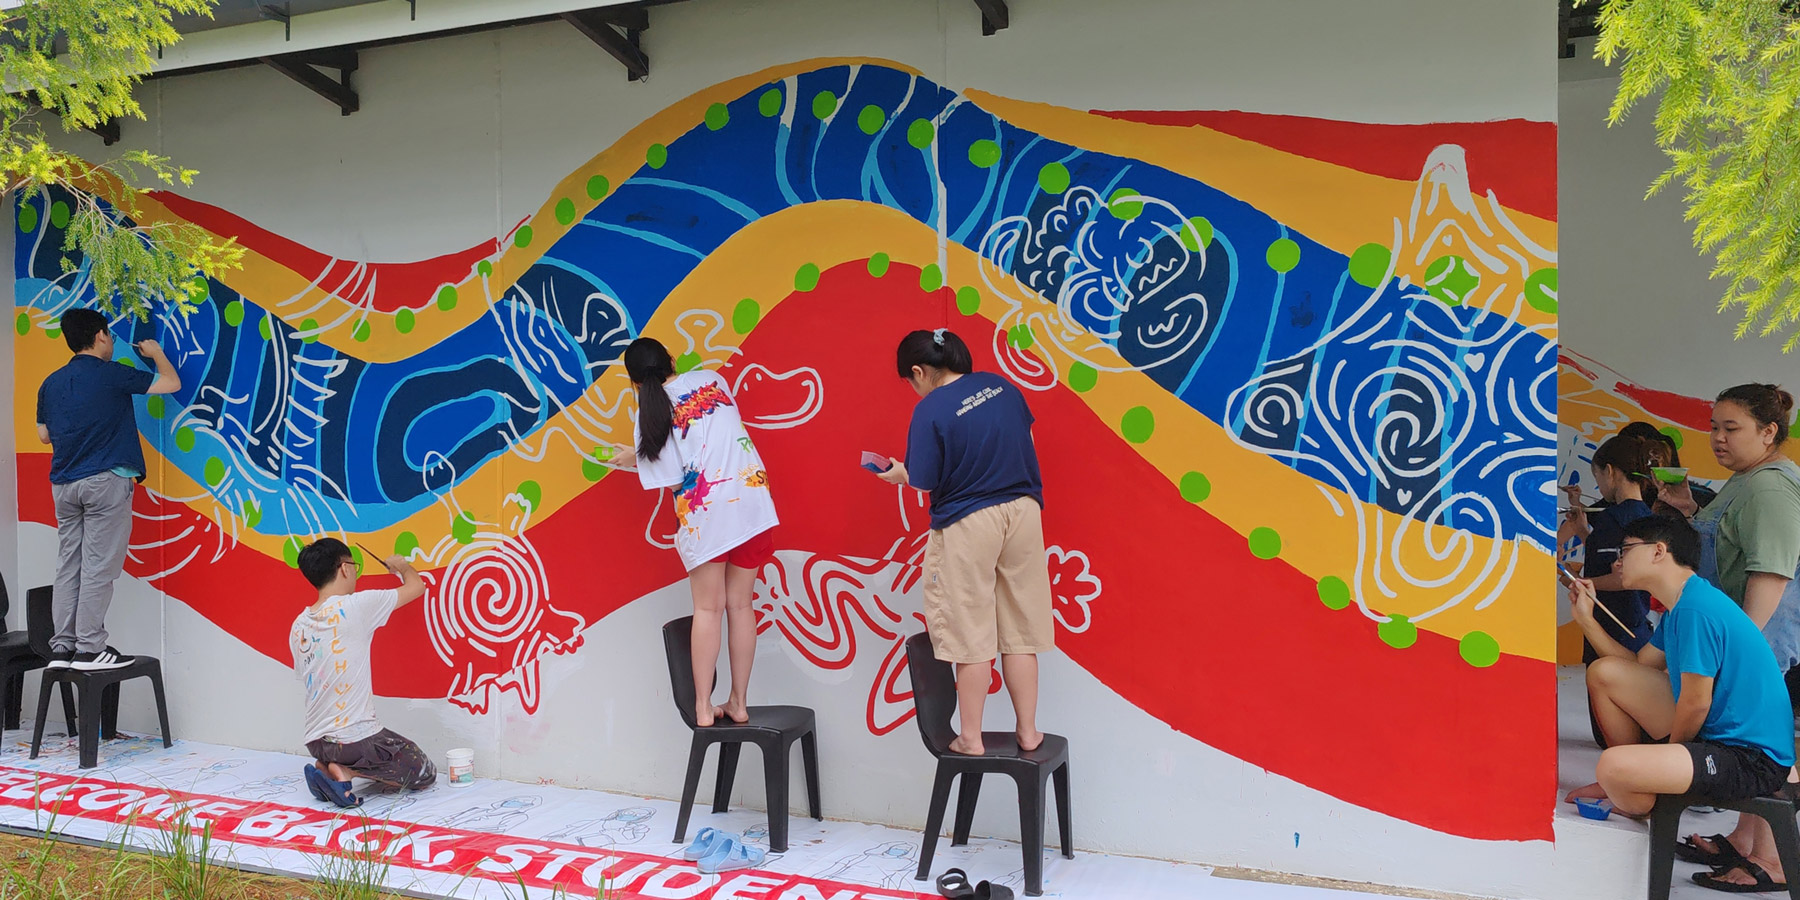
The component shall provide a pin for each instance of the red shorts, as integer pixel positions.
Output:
(752, 553)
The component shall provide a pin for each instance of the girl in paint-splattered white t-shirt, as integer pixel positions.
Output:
(690, 439)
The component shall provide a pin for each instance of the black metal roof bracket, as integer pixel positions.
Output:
(602, 26)
(280, 14)
(304, 68)
(108, 131)
(994, 15)
(415, 9)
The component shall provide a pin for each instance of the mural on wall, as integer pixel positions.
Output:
(1295, 403)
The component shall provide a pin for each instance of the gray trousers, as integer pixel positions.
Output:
(93, 531)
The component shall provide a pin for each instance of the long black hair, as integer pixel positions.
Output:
(648, 364)
(939, 349)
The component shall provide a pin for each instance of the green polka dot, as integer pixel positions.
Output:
(806, 278)
(215, 471)
(532, 492)
(717, 116)
(361, 332)
(878, 264)
(52, 332)
(1333, 592)
(1053, 178)
(128, 362)
(234, 313)
(28, 218)
(687, 361)
(1195, 487)
(311, 328)
(1673, 433)
(1123, 208)
(871, 119)
(745, 315)
(1283, 255)
(199, 290)
(154, 406)
(1479, 649)
(594, 471)
(290, 552)
(824, 104)
(522, 237)
(357, 556)
(485, 268)
(1137, 424)
(1082, 377)
(597, 187)
(565, 211)
(463, 529)
(1197, 234)
(1540, 290)
(1265, 543)
(405, 544)
(404, 320)
(59, 214)
(1451, 280)
(657, 156)
(446, 298)
(184, 439)
(1019, 336)
(1368, 265)
(252, 513)
(931, 278)
(22, 324)
(1398, 633)
(264, 328)
(968, 300)
(769, 103)
(984, 153)
(921, 133)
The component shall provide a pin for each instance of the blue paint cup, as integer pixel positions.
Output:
(1594, 809)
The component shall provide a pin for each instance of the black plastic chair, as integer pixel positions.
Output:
(16, 658)
(96, 691)
(1778, 809)
(773, 729)
(934, 702)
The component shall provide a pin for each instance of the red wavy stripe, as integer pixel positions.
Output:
(1515, 158)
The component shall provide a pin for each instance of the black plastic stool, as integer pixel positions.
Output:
(16, 659)
(96, 691)
(773, 729)
(934, 702)
(1778, 809)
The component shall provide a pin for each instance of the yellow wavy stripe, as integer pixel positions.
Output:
(1596, 413)
(1317, 525)
(1339, 207)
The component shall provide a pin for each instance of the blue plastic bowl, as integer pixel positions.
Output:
(1594, 809)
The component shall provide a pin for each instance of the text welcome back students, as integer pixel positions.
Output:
(689, 438)
(987, 585)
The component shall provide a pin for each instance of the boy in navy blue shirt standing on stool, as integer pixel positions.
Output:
(85, 413)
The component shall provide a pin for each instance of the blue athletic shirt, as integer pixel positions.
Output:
(970, 447)
(1707, 634)
(87, 407)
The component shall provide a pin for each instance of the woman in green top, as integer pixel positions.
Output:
(1750, 549)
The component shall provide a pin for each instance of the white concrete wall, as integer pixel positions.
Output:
(459, 138)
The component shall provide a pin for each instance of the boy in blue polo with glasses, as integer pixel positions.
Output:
(1701, 709)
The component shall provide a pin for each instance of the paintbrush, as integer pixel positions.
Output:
(371, 555)
(1569, 582)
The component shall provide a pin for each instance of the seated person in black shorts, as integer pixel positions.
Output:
(330, 641)
(1707, 682)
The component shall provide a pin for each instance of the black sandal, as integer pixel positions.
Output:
(988, 890)
(955, 884)
(1764, 883)
(1722, 854)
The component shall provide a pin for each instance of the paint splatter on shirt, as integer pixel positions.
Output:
(721, 488)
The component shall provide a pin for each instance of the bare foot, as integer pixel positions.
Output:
(1030, 742)
(967, 747)
(1590, 792)
(338, 773)
(736, 712)
(1706, 844)
(1737, 874)
(705, 714)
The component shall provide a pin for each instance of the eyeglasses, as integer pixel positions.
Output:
(353, 563)
(1623, 547)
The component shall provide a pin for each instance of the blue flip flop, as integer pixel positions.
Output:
(338, 792)
(702, 845)
(315, 782)
(729, 853)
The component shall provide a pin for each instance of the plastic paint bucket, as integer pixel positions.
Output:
(461, 768)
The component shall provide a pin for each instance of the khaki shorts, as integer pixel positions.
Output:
(987, 585)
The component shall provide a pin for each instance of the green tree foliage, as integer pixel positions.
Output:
(1727, 78)
(74, 63)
